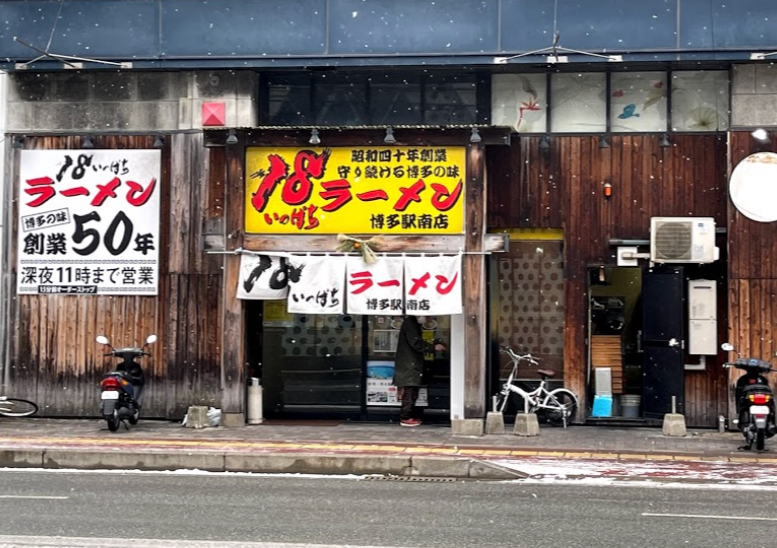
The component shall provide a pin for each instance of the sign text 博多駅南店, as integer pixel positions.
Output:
(363, 190)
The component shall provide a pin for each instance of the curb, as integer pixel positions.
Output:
(269, 463)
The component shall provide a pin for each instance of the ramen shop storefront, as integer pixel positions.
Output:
(324, 307)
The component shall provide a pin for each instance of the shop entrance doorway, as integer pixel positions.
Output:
(338, 366)
(663, 341)
(635, 342)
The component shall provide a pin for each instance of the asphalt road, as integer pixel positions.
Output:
(262, 510)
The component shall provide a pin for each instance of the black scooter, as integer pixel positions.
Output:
(123, 387)
(754, 400)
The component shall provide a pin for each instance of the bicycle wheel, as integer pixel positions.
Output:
(561, 406)
(14, 407)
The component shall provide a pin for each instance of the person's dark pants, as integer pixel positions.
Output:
(409, 397)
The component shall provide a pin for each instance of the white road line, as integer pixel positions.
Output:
(37, 497)
(740, 518)
(84, 542)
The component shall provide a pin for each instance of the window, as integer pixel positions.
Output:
(289, 102)
(700, 100)
(520, 102)
(395, 100)
(351, 99)
(578, 103)
(340, 101)
(628, 102)
(450, 100)
(638, 101)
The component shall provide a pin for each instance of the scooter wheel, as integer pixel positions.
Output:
(113, 422)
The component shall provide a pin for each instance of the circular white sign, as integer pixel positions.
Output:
(753, 187)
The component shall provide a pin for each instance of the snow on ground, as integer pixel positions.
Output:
(749, 473)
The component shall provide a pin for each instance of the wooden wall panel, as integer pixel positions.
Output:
(53, 357)
(752, 245)
(562, 187)
(752, 269)
(474, 276)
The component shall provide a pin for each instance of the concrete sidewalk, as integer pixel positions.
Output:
(330, 447)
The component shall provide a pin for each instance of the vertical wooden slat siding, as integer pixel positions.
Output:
(604, 173)
(686, 179)
(474, 280)
(213, 221)
(752, 269)
(53, 357)
(233, 340)
(180, 193)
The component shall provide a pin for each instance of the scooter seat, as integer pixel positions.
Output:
(758, 387)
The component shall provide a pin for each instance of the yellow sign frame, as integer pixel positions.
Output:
(355, 190)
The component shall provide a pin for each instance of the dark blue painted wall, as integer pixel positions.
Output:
(278, 33)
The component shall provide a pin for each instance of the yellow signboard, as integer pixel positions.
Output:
(356, 190)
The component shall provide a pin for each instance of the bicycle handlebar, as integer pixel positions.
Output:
(528, 357)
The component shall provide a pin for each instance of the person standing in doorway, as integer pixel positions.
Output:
(409, 367)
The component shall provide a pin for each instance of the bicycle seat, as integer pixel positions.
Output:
(545, 373)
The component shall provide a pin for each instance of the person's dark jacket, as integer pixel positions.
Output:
(409, 360)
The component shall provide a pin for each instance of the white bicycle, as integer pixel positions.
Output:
(557, 406)
(15, 407)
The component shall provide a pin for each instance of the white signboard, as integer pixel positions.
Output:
(375, 288)
(753, 187)
(381, 391)
(433, 286)
(262, 277)
(316, 285)
(89, 222)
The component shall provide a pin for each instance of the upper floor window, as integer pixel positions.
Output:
(638, 101)
(333, 99)
(579, 103)
(520, 101)
(700, 100)
(618, 102)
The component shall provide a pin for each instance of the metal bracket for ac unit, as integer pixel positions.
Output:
(627, 256)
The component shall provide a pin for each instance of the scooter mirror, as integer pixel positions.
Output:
(728, 347)
(102, 339)
(151, 339)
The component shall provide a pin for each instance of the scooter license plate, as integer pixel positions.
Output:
(759, 410)
(109, 395)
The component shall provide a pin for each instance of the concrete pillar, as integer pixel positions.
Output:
(527, 425)
(674, 425)
(495, 423)
(197, 417)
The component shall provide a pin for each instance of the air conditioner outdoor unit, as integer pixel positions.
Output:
(682, 240)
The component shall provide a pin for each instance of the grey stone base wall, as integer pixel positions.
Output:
(127, 101)
(754, 95)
